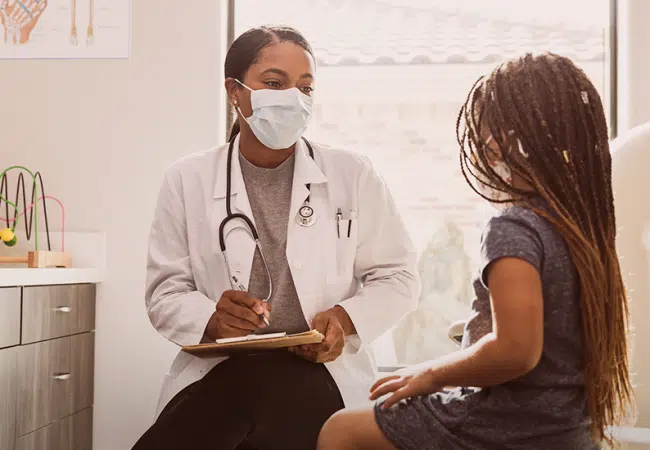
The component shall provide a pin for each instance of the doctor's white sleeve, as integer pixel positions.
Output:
(176, 309)
(386, 262)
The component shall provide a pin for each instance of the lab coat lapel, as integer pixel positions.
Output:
(240, 246)
(300, 240)
(305, 172)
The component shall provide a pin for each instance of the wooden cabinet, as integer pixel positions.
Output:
(9, 317)
(8, 397)
(70, 433)
(46, 376)
(55, 311)
(56, 380)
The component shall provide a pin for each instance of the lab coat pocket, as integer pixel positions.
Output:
(345, 248)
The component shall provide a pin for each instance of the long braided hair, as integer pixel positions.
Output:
(554, 111)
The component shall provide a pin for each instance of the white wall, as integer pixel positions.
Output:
(103, 133)
(630, 154)
(633, 63)
(630, 158)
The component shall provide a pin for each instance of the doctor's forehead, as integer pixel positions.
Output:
(291, 59)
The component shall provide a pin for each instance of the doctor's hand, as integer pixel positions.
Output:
(334, 324)
(237, 314)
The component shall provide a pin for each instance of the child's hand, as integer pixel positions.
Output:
(404, 386)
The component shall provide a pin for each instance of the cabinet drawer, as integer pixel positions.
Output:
(70, 433)
(8, 396)
(56, 380)
(55, 311)
(9, 316)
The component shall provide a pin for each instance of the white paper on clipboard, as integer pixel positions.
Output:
(250, 337)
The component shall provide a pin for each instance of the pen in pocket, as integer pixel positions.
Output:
(338, 222)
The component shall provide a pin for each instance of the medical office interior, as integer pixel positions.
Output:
(392, 75)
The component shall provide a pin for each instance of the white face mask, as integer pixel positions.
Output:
(504, 172)
(280, 117)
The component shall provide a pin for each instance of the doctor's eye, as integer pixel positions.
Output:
(307, 90)
(273, 84)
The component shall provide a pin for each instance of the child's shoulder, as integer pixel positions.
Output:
(523, 220)
(519, 213)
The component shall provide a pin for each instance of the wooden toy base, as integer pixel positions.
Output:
(40, 259)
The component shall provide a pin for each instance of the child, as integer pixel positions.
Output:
(543, 363)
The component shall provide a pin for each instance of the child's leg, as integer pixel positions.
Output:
(353, 430)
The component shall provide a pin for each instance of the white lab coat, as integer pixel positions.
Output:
(186, 273)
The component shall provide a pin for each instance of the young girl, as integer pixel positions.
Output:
(543, 363)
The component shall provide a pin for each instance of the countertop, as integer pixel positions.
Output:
(36, 277)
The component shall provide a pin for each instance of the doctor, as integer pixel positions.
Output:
(271, 216)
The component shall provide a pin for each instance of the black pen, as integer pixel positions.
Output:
(349, 225)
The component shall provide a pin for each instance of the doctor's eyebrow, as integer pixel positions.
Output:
(285, 74)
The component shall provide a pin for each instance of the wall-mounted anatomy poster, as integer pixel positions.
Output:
(35, 29)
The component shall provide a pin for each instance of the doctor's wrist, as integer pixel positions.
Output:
(211, 329)
(344, 319)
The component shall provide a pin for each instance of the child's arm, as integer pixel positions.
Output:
(514, 347)
(513, 257)
(511, 350)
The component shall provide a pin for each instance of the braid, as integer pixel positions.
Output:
(552, 108)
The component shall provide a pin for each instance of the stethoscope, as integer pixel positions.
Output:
(306, 218)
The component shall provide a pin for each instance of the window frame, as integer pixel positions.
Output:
(611, 59)
(230, 38)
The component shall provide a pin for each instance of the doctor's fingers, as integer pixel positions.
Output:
(240, 317)
(329, 356)
(242, 298)
(334, 343)
(321, 323)
(226, 331)
(329, 343)
(324, 352)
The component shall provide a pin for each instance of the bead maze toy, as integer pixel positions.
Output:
(36, 258)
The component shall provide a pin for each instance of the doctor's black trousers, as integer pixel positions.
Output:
(267, 401)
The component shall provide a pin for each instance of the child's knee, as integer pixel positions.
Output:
(332, 435)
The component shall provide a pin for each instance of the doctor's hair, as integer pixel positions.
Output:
(247, 48)
(553, 109)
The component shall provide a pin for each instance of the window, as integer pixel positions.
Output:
(392, 75)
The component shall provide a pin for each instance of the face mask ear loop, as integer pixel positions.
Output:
(237, 108)
(521, 149)
(243, 84)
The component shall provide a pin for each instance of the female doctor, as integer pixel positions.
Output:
(271, 216)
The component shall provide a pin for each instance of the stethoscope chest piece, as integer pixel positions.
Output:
(306, 216)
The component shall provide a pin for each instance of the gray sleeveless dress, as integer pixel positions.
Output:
(545, 409)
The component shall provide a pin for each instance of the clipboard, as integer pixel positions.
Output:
(255, 344)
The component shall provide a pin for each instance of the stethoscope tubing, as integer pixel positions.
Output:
(235, 284)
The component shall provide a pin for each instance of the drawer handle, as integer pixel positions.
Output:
(63, 309)
(62, 376)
